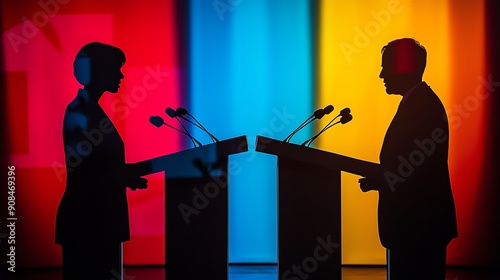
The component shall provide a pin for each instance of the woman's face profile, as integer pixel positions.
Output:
(98, 66)
(112, 78)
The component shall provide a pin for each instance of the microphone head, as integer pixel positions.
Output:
(171, 112)
(181, 111)
(318, 114)
(345, 119)
(345, 111)
(156, 121)
(328, 109)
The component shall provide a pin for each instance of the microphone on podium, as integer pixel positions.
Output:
(182, 111)
(318, 114)
(328, 109)
(158, 122)
(173, 114)
(345, 117)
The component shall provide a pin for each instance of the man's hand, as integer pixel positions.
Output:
(368, 184)
(139, 183)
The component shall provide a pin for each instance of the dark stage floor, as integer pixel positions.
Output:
(262, 272)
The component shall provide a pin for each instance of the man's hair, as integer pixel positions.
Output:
(95, 57)
(408, 55)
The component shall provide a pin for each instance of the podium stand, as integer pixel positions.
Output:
(309, 212)
(196, 209)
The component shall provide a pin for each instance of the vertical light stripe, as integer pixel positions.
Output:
(469, 119)
(251, 75)
(351, 37)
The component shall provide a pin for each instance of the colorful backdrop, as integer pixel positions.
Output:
(247, 67)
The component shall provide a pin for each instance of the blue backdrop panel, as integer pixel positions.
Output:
(251, 74)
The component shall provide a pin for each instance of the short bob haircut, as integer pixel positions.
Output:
(94, 59)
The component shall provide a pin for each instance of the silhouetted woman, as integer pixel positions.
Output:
(92, 219)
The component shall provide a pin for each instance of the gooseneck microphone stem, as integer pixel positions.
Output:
(345, 117)
(173, 114)
(309, 141)
(189, 134)
(175, 128)
(203, 128)
(318, 114)
(198, 125)
(158, 121)
(302, 125)
(182, 111)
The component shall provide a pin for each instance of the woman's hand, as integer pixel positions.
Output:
(139, 183)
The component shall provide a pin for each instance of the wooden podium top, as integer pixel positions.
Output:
(180, 164)
(313, 156)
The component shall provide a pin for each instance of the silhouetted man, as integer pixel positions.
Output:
(92, 219)
(416, 211)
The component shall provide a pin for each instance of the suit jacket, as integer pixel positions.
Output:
(94, 204)
(417, 203)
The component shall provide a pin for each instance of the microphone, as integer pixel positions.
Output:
(158, 122)
(318, 114)
(173, 114)
(182, 111)
(343, 112)
(328, 109)
(345, 117)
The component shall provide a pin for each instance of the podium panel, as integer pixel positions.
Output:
(196, 209)
(309, 222)
(196, 228)
(309, 208)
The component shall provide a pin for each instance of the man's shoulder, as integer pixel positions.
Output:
(424, 94)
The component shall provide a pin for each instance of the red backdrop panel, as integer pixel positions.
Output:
(40, 41)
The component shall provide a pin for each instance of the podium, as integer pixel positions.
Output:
(196, 209)
(309, 212)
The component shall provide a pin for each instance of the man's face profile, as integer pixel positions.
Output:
(399, 68)
(396, 80)
(389, 75)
